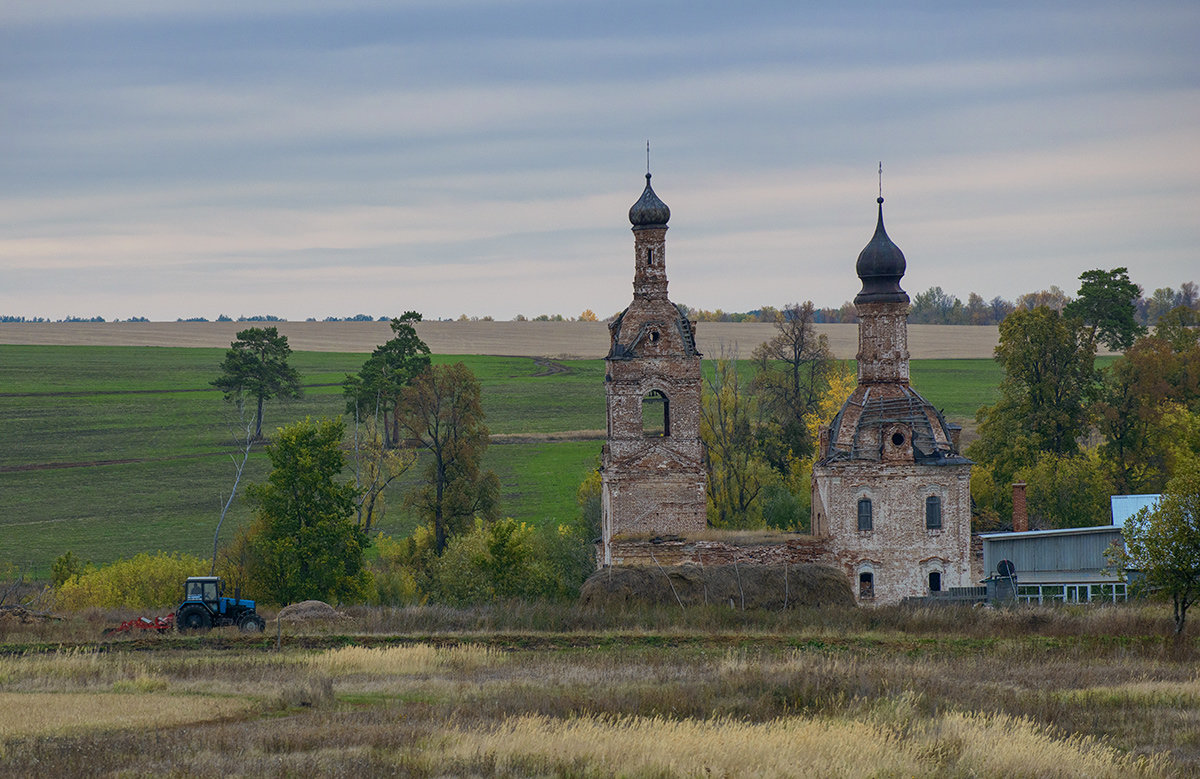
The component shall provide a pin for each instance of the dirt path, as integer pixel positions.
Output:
(549, 367)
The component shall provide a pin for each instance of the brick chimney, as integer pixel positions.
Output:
(1020, 514)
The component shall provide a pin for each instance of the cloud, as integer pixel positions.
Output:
(485, 153)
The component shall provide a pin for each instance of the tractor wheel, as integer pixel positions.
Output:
(193, 618)
(251, 623)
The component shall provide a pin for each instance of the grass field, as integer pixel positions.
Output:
(533, 689)
(107, 451)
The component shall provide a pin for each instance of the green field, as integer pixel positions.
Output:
(108, 451)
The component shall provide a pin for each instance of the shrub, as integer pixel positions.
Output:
(393, 579)
(511, 559)
(145, 581)
(66, 567)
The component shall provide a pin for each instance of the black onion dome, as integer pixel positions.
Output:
(881, 266)
(649, 211)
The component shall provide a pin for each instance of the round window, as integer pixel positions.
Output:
(898, 439)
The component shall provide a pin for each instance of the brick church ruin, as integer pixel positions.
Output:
(652, 467)
(891, 491)
(890, 488)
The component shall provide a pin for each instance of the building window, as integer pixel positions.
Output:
(656, 415)
(866, 585)
(864, 515)
(935, 581)
(933, 513)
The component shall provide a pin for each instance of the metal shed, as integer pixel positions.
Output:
(1065, 565)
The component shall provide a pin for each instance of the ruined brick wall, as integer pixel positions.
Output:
(899, 550)
(682, 551)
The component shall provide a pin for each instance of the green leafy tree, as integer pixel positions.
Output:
(1145, 392)
(1160, 302)
(736, 469)
(375, 467)
(1106, 303)
(936, 307)
(1045, 396)
(508, 559)
(1178, 327)
(304, 543)
(375, 389)
(1068, 490)
(1163, 544)
(1053, 298)
(1129, 414)
(255, 366)
(589, 499)
(66, 567)
(441, 411)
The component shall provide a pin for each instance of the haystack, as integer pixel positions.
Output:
(310, 611)
(740, 586)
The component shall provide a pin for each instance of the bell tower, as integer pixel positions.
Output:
(890, 488)
(652, 470)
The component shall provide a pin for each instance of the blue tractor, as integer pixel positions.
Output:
(205, 606)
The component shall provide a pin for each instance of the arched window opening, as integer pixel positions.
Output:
(656, 415)
(866, 585)
(649, 256)
(933, 513)
(935, 581)
(865, 520)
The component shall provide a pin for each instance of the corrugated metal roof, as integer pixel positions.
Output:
(1075, 550)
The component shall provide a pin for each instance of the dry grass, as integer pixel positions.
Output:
(403, 660)
(586, 340)
(1176, 694)
(955, 744)
(24, 714)
(1031, 692)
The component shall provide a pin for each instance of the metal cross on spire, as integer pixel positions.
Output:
(647, 155)
(881, 181)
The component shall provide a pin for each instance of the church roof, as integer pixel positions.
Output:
(857, 430)
(649, 211)
(625, 344)
(881, 266)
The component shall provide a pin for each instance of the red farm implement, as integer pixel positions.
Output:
(159, 624)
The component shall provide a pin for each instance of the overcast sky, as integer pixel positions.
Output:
(330, 157)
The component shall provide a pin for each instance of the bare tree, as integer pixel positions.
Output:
(792, 370)
(244, 437)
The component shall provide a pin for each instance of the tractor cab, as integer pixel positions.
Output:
(207, 589)
(205, 605)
